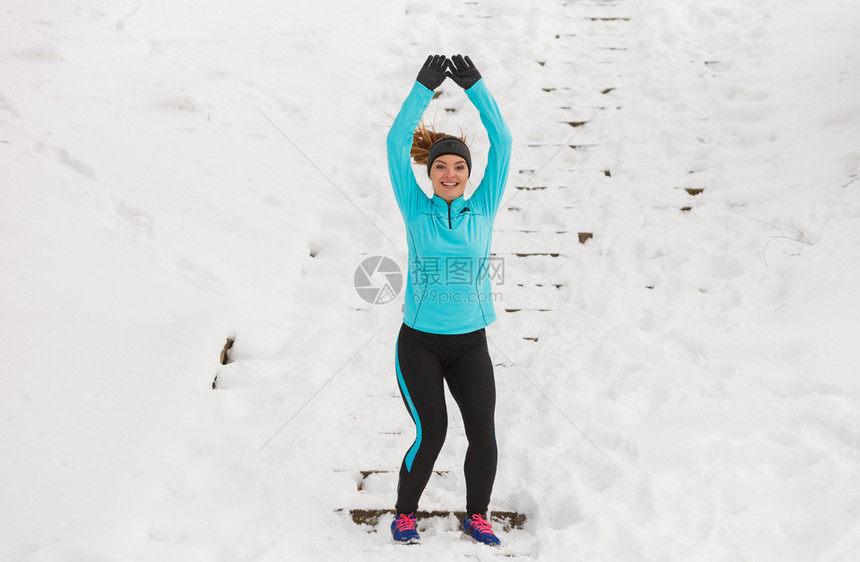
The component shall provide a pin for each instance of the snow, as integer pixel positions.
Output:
(682, 386)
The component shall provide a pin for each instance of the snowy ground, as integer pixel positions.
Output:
(678, 387)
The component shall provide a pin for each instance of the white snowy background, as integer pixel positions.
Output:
(682, 386)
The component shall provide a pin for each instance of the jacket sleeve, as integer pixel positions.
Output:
(489, 192)
(399, 144)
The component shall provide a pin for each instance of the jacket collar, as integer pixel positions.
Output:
(440, 206)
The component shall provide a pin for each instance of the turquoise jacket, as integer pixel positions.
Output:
(448, 289)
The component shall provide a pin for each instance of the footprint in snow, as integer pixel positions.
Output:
(43, 52)
(64, 157)
(196, 274)
(136, 218)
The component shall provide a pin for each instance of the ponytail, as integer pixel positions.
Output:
(423, 138)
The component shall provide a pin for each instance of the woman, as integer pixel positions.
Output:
(448, 300)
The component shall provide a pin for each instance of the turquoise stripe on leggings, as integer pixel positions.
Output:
(410, 456)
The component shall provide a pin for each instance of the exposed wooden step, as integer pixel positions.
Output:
(507, 520)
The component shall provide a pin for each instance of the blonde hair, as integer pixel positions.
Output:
(423, 138)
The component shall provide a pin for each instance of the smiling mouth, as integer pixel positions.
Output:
(447, 184)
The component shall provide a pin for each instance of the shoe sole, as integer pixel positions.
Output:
(470, 538)
(409, 542)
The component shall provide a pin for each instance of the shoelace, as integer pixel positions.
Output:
(481, 524)
(405, 522)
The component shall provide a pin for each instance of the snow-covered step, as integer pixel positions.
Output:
(558, 160)
(613, 51)
(567, 113)
(602, 26)
(379, 481)
(536, 268)
(517, 242)
(531, 296)
(594, 93)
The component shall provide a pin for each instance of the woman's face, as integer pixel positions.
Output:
(449, 174)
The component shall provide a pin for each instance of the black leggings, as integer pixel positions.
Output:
(422, 362)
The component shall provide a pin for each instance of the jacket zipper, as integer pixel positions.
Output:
(449, 217)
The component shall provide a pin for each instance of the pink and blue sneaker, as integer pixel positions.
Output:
(403, 529)
(480, 529)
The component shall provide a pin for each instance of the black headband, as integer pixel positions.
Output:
(449, 145)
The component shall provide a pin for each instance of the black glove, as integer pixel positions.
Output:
(463, 71)
(433, 72)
